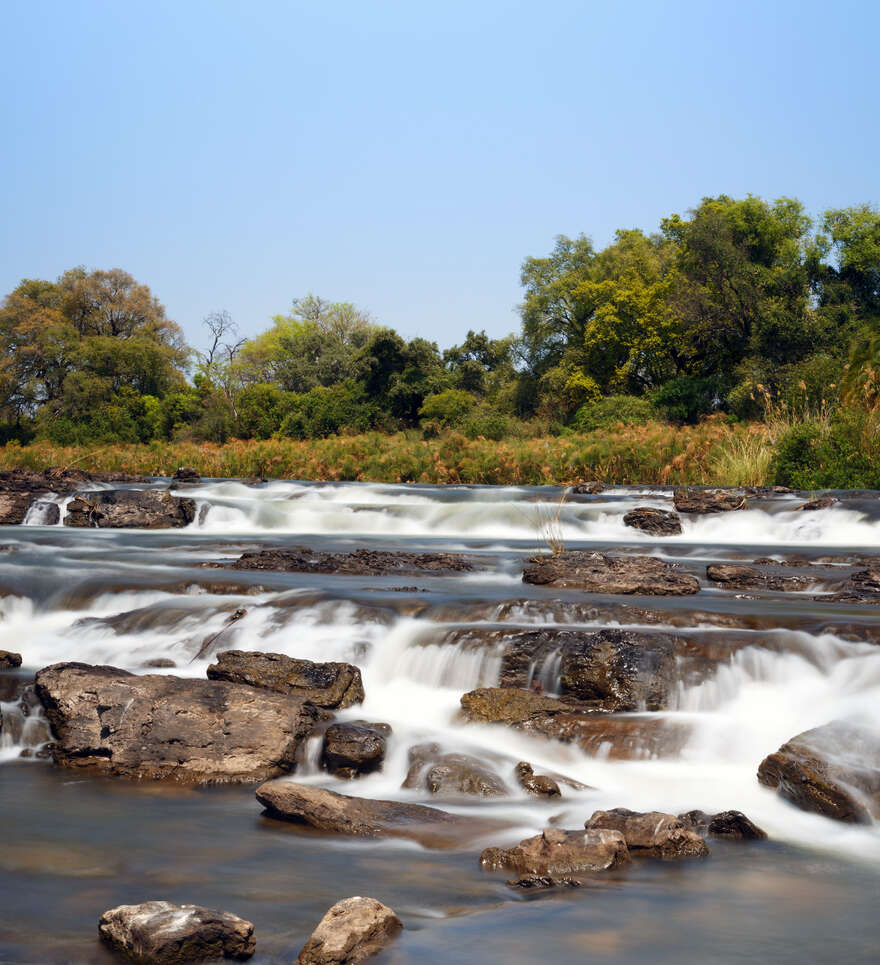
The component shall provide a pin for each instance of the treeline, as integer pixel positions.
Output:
(743, 307)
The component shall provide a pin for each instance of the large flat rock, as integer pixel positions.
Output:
(616, 575)
(129, 509)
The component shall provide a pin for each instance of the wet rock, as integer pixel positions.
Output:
(160, 933)
(726, 824)
(352, 930)
(334, 813)
(823, 502)
(657, 522)
(863, 586)
(833, 770)
(541, 785)
(158, 726)
(330, 685)
(300, 559)
(731, 576)
(591, 488)
(164, 663)
(704, 501)
(186, 474)
(14, 507)
(451, 775)
(8, 659)
(354, 748)
(542, 882)
(129, 509)
(651, 834)
(507, 705)
(556, 852)
(597, 573)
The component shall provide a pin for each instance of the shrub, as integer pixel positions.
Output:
(447, 408)
(627, 410)
(686, 399)
(325, 411)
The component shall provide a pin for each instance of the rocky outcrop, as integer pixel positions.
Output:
(540, 785)
(598, 573)
(159, 933)
(158, 726)
(733, 825)
(592, 488)
(129, 509)
(734, 576)
(360, 817)
(300, 559)
(352, 930)
(556, 853)
(507, 705)
(651, 834)
(863, 586)
(186, 474)
(822, 502)
(451, 775)
(657, 522)
(354, 748)
(14, 507)
(833, 770)
(331, 685)
(703, 501)
(8, 659)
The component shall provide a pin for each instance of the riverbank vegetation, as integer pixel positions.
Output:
(738, 344)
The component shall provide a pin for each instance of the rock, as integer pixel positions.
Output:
(159, 663)
(726, 824)
(863, 586)
(451, 775)
(538, 784)
(352, 930)
(161, 933)
(556, 852)
(300, 559)
(14, 507)
(732, 576)
(657, 522)
(361, 817)
(186, 474)
(597, 573)
(542, 882)
(507, 705)
(587, 488)
(354, 748)
(823, 502)
(129, 509)
(703, 501)
(651, 834)
(331, 685)
(833, 770)
(8, 659)
(160, 726)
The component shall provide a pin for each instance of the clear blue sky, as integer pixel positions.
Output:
(407, 156)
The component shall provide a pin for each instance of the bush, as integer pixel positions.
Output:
(686, 399)
(487, 423)
(447, 408)
(326, 411)
(627, 410)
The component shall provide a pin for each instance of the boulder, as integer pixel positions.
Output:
(360, 817)
(159, 933)
(863, 586)
(703, 501)
(651, 834)
(556, 852)
(354, 748)
(129, 509)
(451, 775)
(833, 770)
(735, 576)
(352, 930)
(598, 573)
(591, 488)
(186, 474)
(8, 659)
(823, 502)
(541, 785)
(14, 507)
(300, 559)
(160, 726)
(657, 522)
(727, 824)
(507, 705)
(331, 685)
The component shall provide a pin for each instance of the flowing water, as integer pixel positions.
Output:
(75, 845)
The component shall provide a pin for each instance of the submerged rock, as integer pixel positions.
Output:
(833, 770)
(598, 573)
(652, 834)
(8, 659)
(331, 685)
(733, 576)
(354, 748)
(822, 502)
(556, 852)
(158, 726)
(300, 559)
(726, 824)
(703, 501)
(541, 785)
(352, 930)
(161, 933)
(657, 522)
(451, 775)
(130, 509)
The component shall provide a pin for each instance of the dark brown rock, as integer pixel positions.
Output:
(657, 522)
(129, 509)
(352, 930)
(541, 785)
(157, 726)
(451, 775)
(542, 882)
(160, 663)
(331, 685)
(833, 770)
(726, 824)
(704, 501)
(863, 586)
(14, 507)
(591, 488)
(186, 474)
(597, 573)
(507, 705)
(651, 834)
(8, 659)
(556, 852)
(300, 559)
(823, 502)
(160, 933)
(733, 576)
(354, 748)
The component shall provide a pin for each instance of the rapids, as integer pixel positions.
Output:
(78, 845)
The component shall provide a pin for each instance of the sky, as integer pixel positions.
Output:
(407, 156)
